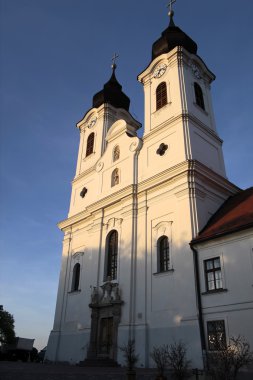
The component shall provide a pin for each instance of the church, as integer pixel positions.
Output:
(158, 243)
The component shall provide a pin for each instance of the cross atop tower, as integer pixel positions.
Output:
(171, 12)
(114, 57)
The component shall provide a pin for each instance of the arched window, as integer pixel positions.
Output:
(199, 96)
(112, 255)
(115, 177)
(90, 144)
(161, 95)
(116, 153)
(163, 254)
(75, 277)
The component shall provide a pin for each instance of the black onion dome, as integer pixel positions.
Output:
(172, 37)
(112, 93)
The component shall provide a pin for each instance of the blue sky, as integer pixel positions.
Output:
(55, 55)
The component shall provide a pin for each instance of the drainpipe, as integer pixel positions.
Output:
(199, 303)
(100, 248)
(134, 246)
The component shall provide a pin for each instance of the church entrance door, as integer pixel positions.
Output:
(106, 337)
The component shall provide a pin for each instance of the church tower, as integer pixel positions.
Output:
(127, 267)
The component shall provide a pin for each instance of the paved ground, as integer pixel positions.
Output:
(36, 371)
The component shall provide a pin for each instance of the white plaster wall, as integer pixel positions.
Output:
(235, 304)
(165, 194)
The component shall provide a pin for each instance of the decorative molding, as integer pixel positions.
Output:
(162, 228)
(113, 223)
(77, 255)
(170, 175)
(195, 69)
(92, 122)
(99, 166)
(136, 145)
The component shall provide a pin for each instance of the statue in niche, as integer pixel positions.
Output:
(115, 177)
(116, 153)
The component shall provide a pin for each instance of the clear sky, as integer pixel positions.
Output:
(55, 55)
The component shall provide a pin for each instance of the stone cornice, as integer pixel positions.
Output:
(104, 202)
(199, 170)
(170, 174)
(179, 117)
(84, 174)
(203, 127)
(191, 170)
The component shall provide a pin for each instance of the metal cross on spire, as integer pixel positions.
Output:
(170, 7)
(115, 56)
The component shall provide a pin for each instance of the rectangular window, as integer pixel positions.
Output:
(213, 274)
(216, 335)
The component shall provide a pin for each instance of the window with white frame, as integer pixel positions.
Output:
(213, 274)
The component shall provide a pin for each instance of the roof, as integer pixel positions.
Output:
(171, 37)
(234, 215)
(112, 93)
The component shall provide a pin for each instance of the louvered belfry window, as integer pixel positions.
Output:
(112, 255)
(199, 96)
(161, 95)
(90, 144)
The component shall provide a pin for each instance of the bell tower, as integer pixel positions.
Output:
(179, 118)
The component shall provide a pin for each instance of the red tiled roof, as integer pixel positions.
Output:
(234, 215)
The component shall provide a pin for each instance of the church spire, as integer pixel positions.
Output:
(171, 12)
(112, 92)
(171, 37)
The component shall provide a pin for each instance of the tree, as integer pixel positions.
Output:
(177, 361)
(160, 357)
(131, 358)
(129, 354)
(7, 333)
(226, 362)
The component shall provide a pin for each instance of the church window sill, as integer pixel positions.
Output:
(75, 291)
(222, 290)
(86, 158)
(169, 271)
(157, 111)
(200, 109)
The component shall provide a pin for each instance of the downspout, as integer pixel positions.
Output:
(134, 247)
(100, 248)
(199, 303)
(105, 128)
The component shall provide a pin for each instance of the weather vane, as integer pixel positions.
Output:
(170, 7)
(115, 56)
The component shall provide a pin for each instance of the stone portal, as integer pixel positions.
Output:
(105, 307)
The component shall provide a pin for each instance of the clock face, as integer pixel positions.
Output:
(160, 70)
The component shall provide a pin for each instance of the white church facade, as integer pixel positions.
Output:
(134, 265)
